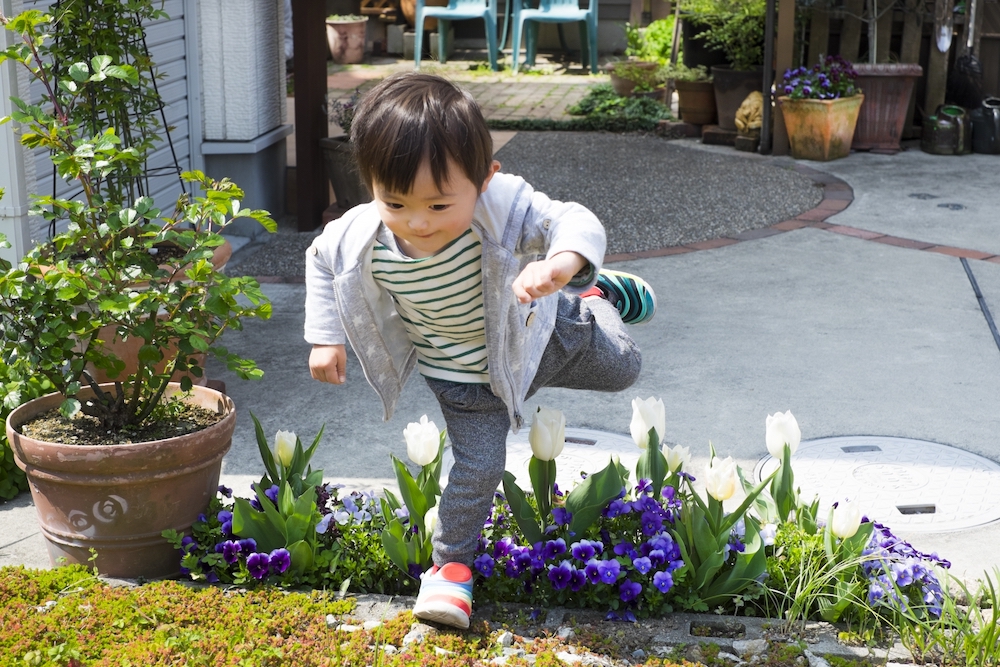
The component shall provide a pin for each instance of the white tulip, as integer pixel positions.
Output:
(548, 434)
(431, 520)
(422, 441)
(678, 457)
(721, 480)
(782, 429)
(284, 447)
(846, 519)
(647, 414)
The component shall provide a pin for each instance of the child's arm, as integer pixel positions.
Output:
(547, 276)
(328, 363)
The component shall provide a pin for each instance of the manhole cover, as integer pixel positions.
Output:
(586, 450)
(912, 484)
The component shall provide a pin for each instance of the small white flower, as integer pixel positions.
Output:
(422, 441)
(284, 447)
(548, 434)
(431, 520)
(721, 480)
(846, 519)
(678, 458)
(782, 429)
(768, 533)
(647, 414)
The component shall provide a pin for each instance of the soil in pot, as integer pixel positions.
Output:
(180, 419)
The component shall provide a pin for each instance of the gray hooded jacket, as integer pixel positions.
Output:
(516, 226)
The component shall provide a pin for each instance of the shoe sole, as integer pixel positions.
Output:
(635, 295)
(443, 613)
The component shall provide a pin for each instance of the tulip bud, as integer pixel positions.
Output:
(846, 519)
(548, 434)
(284, 447)
(721, 480)
(678, 457)
(423, 439)
(431, 520)
(647, 414)
(782, 429)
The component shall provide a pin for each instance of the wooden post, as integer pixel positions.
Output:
(635, 13)
(659, 9)
(937, 64)
(784, 54)
(884, 31)
(850, 37)
(312, 192)
(909, 52)
(819, 36)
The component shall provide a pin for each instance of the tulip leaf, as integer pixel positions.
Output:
(248, 522)
(543, 476)
(730, 521)
(392, 542)
(414, 499)
(265, 451)
(652, 465)
(301, 553)
(591, 496)
(524, 514)
(392, 501)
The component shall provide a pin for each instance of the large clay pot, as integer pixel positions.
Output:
(409, 9)
(887, 88)
(820, 129)
(346, 39)
(731, 88)
(117, 499)
(696, 102)
(342, 171)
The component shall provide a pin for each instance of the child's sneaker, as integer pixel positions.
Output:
(631, 295)
(445, 595)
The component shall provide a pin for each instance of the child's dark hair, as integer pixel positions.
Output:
(409, 117)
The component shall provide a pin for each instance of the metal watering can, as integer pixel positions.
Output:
(986, 127)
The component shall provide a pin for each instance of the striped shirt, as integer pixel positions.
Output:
(440, 300)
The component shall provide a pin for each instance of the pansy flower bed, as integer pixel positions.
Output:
(628, 543)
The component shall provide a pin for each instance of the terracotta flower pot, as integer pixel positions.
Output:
(696, 102)
(887, 88)
(820, 129)
(117, 499)
(343, 172)
(346, 40)
(626, 86)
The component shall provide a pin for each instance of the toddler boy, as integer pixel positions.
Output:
(489, 288)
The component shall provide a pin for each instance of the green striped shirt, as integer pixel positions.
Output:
(440, 299)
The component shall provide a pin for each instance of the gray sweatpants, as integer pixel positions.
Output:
(589, 349)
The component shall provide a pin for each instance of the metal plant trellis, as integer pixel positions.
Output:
(83, 29)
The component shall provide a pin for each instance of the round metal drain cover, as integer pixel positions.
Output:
(910, 484)
(586, 450)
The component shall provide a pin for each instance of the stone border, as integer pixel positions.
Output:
(837, 196)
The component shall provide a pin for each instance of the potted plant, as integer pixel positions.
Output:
(636, 77)
(112, 465)
(345, 35)
(820, 106)
(338, 156)
(695, 93)
(736, 28)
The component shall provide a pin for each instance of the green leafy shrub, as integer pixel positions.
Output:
(607, 110)
(12, 479)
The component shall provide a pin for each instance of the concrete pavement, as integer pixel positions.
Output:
(854, 336)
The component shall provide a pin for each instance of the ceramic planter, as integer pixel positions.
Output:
(343, 172)
(887, 88)
(117, 499)
(696, 102)
(346, 40)
(731, 88)
(820, 129)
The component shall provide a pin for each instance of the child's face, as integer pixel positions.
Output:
(426, 219)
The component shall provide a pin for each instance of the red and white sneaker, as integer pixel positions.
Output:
(445, 595)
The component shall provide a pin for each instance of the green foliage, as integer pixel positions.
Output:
(12, 479)
(652, 42)
(681, 72)
(735, 27)
(604, 109)
(104, 276)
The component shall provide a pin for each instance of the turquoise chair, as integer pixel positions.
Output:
(556, 11)
(457, 10)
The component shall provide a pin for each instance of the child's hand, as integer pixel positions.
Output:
(547, 276)
(328, 363)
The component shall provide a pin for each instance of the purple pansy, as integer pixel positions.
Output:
(248, 545)
(609, 570)
(663, 581)
(279, 561)
(561, 516)
(629, 590)
(554, 548)
(484, 565)
(561, 575)
(258, 565)
(642, 564)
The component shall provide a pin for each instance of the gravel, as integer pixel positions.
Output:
(649, 192)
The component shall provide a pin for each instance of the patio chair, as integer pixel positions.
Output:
(456, 10)
(556, 11)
